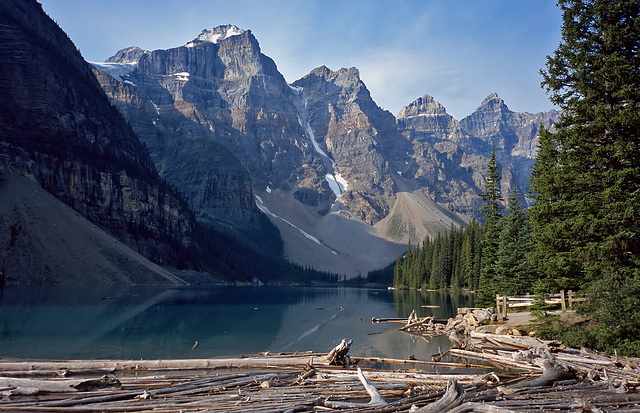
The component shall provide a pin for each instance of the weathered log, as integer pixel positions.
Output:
(292, 360)
(517, 342)
(551, 373)
(494, 358)
(472, 407)
(376, 398)
(338, 356)
(420, 362)
(391, 320)
(452, 398)
(50, 386)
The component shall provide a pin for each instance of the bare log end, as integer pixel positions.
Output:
(338, 356)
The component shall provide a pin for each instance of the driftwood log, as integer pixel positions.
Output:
(452, 398)
(339, 355)
(376, 398)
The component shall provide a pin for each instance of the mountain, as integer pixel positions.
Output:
(220, 94)
(346, 182)
(81, 200)
(450, 157)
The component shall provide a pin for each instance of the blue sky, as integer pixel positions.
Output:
(458, 51)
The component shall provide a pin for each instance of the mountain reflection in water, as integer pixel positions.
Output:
(63, 322)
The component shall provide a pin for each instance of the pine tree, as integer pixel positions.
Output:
(514, 272)
(590, 213)
(552, 251)
(467, 263)
(398, 281)
(492, 211)
(436, 264)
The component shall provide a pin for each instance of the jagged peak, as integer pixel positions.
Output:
(325, 73)
(128, 55)
(322, 71)
(493, 102)
(424, 105)
(216, 34)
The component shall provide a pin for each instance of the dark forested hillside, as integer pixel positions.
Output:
(450, 260)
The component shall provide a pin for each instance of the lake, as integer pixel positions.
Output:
(66, 322)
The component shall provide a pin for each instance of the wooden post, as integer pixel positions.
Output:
(563, 304)
(570, 298)
(504, 305)
(498, 302)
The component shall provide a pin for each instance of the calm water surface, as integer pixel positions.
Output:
(151, 322)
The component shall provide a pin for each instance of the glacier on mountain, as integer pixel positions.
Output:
(118, 71)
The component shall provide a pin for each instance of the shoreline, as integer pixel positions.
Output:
(512, 374)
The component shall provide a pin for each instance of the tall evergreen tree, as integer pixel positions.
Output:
(467, 263)
(557, 267)
(492, 211)
(590, 212)
(436, 264)
(514, 272)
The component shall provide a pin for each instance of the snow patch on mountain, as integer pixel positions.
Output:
(183, 76)
(216, 34)
(118, 71)
(336, 182)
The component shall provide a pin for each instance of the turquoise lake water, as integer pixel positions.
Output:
(55, 322)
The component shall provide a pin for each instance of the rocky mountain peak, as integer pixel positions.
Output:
(342, 77)
(129, 55)
(318, 153)
(493, 103)
(425, 105)
(216, 34)
(428, 119)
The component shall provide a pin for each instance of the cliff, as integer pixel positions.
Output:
(58, 129)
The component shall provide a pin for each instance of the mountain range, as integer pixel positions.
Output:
(211, 135)
(347, 183)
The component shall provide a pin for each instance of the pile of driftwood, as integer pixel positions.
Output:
(528, 375)
(421, 325)
(262, 383)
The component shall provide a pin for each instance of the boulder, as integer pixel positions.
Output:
(490, 328)
(471, 320)
(482, 316)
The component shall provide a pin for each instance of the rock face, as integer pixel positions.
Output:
(356, 135)
(513, 134)
(224, 127)
(451, 157)
(218, 120)
(58, 128)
